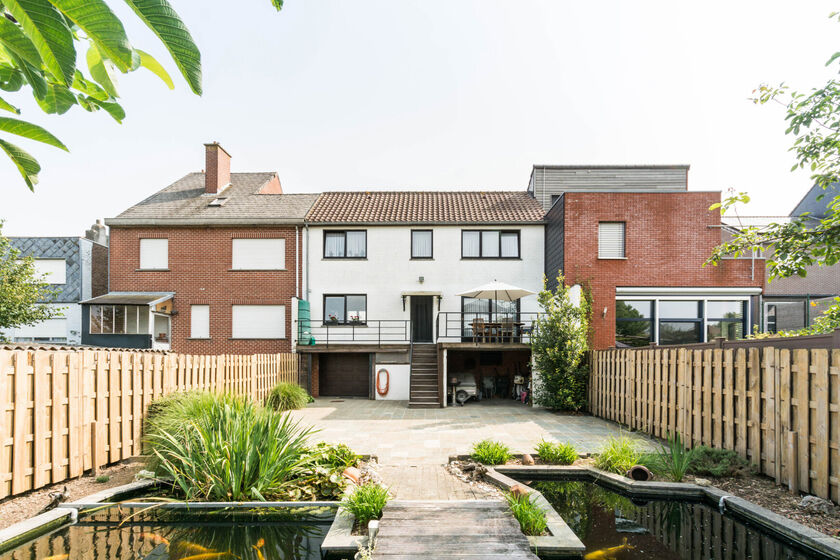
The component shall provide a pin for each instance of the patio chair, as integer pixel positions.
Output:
(507, 329)
(479, 329)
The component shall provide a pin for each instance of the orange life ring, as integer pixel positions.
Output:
(382, 392)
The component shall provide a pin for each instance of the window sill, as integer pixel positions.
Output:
(333, 325)
(344, 259)
(235, 338)
(491, 258)
(198, 338)
(151, 270)
(257, 269)
(612, 258)
(422, 258)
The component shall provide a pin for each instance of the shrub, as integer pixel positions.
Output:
(618, 455)
(557, 453)
(366, 503)
(709, 461)
(320, 476)
(490, 452)
(228, 450)
(559, 341)
(334, 455)
(287, 396)
(674, 459)
(102, 479)
(530, 516)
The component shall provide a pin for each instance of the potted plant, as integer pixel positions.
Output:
(332, 319)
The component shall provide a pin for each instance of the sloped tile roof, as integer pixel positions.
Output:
(184, 202)
(431, 207)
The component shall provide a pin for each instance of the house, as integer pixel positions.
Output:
(637, 238)
(790, 304)
(208, 265)
(76, 268)
(384, 274)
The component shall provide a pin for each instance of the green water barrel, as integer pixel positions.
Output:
(304, 324)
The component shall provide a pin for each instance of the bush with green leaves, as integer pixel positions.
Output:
(559, 341)
(557, 453)
(530, 516)
(491, 452)
(226, 449)
(618, 454)
(366, 502)
(709, 461)
(287, 396)
(320, 476)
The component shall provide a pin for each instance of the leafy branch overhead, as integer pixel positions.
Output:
(813, 119)
(70, 52)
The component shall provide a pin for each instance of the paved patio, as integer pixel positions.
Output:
(399, 435)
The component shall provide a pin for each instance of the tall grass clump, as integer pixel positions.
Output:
(674, 460)
(490, 452)
(226, 449)
(366, 503)
(557, 453)
(287, 396)
(617, 455)
(530, 516)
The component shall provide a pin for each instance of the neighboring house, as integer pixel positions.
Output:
(384, 273)
(76, 269)
(793, 303)
(208, 265)
(638, 240)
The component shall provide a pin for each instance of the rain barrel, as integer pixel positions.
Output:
(304, 324)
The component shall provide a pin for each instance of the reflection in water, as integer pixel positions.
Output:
(167, 535)
(614, 527)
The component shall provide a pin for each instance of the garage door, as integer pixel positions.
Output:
(344, 375)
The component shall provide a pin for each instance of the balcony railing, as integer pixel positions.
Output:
(379, 332)
(485, 328)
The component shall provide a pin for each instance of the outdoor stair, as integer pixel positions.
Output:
(424, 388)
(450, 529)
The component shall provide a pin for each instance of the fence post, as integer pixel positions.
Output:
(793, 462)
(94, 448)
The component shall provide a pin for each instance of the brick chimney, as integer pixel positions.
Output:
(217, 168)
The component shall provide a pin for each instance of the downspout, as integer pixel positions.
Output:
(297, 262)
(306, 267)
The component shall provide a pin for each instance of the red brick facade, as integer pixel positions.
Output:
(668, 237)
(200, 273)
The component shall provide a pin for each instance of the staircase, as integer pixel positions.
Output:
(424, 391)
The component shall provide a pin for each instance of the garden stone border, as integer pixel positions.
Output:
(753, 513)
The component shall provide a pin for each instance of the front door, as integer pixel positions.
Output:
(421, 318)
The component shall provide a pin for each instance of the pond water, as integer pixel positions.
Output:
(614, 527)
(123, 534)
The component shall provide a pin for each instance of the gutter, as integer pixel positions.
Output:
(204, 222)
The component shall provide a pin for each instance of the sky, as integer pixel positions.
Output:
(440, 94)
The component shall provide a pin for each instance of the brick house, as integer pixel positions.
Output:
(208, 265)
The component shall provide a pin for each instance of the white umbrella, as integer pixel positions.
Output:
(498, 291)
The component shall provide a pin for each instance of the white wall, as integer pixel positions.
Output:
(400, 375)
(67, 326)
(388, 270)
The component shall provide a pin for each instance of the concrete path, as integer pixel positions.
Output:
(399, 435)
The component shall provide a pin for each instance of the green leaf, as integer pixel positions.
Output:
(100, 72)
(8, 106)
(31, 131)
(834, 57)
(26, 164)
(89, 88)
(58, 99)
(277, 4)
(11, 78)
(113, 109)
(100, 24)
(159, 16)
(148, 62)
(32, 75)
(14, 39)
(46, 28)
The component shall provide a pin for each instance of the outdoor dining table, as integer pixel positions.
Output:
(493, 330)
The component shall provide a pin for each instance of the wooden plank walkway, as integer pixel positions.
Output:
(431, 482)
(450, 529)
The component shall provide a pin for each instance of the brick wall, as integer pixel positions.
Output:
(667, 239)
(99, 270)
(200, 273)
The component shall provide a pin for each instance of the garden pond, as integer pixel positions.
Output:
(123, 534)
(614, 526)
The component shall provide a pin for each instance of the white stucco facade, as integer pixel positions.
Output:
(388, 272)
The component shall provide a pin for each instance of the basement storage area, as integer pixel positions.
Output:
(343, 374)
(487, 376)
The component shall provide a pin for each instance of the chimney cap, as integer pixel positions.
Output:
(217, 145)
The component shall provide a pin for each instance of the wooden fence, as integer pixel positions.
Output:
(63, 412)
(778, 408)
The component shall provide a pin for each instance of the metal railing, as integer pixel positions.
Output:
(372, 331)
(485, 328)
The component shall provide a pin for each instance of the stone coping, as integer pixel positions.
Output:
(753, 513)
(340, 542)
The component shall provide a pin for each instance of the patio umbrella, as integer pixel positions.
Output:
(497, 291)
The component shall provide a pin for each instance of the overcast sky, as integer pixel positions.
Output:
(441, 94)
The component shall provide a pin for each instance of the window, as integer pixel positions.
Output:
(680, 322)
(345, 309)
(54, 271)
(554, 199)
(154, 254)
(119, 319)
(489, 244)
(611, 240)
(345, 244)
(259, 254)
(259, 321)
(421, 244)
(633, 323)
(726, 319)
(784, 315)
(199, 321)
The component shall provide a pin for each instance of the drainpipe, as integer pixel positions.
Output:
(306, 266)
(297, 263)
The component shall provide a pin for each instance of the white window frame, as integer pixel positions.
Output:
(157, 253)
(202, 312)
(254, 253)
(602, 250)
(251, 331)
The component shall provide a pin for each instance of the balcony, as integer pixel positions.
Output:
(485, 328)
(371, 331)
